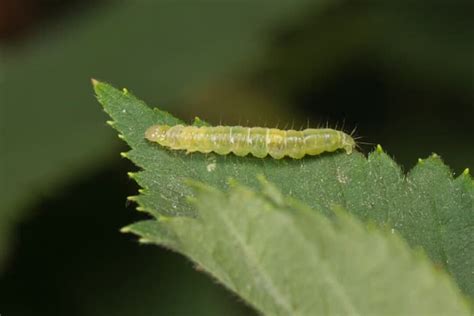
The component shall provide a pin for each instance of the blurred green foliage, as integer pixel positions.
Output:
(402, 72)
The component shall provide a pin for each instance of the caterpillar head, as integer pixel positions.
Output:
(157, 133)
(348, 143)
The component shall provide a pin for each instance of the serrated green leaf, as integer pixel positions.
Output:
(286, 259)
(427, 207)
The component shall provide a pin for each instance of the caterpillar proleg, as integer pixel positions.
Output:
(257, 141)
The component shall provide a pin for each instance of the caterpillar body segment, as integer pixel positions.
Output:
(257, 141)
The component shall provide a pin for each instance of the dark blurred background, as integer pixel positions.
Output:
(401, 72)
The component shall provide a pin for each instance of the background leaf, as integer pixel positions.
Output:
(427, 207)
(50, 81)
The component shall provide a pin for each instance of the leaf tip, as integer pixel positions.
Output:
(94, 82)
(132, 198)
(124, 154)
(125, 230)
(379, 149)
(198, 122)
(110, 123)
(144, 241)
(466, 172)
(420, 161)
(163, 219)
(131, 175)
(125, 91)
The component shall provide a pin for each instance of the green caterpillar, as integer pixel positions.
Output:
(257, 141)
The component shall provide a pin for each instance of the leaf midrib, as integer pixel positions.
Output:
(252, 260)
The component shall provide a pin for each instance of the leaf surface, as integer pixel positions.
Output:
(286, 259)
(427, 207)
